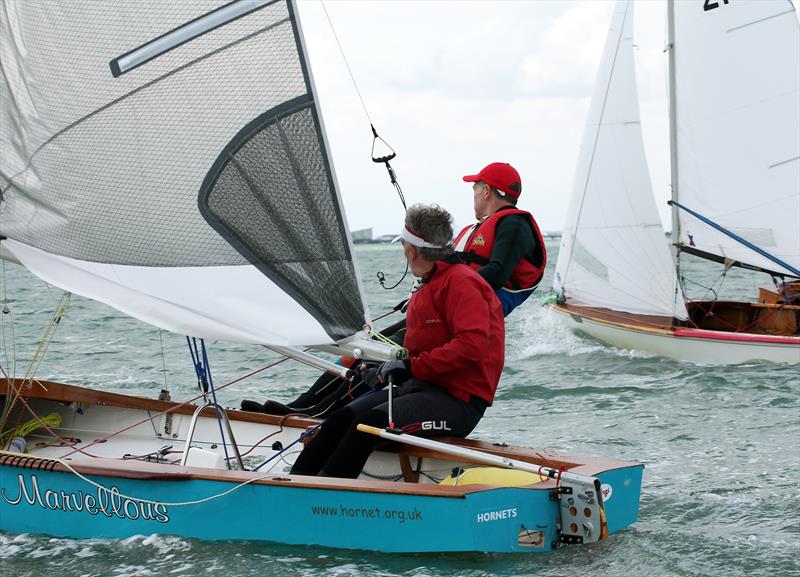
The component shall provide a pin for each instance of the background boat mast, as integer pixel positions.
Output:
(673, 141)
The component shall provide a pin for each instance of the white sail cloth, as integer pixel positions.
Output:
(738, 128)
(100, 176)
(613, 252)
(228, 304)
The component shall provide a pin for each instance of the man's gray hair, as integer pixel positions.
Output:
(435, 225)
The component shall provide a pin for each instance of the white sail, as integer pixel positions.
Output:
(168, 159)
(613, 251)
(737, 67)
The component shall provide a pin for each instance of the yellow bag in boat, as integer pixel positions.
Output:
(493, 476)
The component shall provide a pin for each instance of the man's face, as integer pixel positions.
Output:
(411, 258)
(479, 198)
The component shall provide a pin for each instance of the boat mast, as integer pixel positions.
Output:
(673, 142)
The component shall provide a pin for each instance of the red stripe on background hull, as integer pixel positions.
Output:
(742, 337)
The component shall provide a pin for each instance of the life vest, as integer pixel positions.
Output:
(475, 244)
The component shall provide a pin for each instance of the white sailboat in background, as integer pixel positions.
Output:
(735, 151)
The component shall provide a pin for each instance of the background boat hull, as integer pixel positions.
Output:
(695, 346)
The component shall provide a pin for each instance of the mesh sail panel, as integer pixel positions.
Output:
(271, 195)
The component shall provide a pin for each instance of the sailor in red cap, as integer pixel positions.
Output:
(505, 246)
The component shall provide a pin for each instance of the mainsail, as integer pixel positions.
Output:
(192, 189)
(737, 88)
(613, 251)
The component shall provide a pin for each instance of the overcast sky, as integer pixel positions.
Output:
(454, 85)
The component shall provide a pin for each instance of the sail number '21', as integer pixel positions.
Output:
(709, 5)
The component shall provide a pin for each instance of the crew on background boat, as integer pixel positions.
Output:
(505, 246)
(456, 344)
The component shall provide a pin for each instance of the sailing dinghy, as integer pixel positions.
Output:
(735, 153)
(170, 161)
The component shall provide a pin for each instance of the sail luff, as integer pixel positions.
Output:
(585, 185)
(326, 146)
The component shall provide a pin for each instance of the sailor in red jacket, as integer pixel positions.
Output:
(505, 246)
(456, 344)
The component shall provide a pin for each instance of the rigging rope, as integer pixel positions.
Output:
(346, 63)
(38, 357)
(377, 141)
(163, 360)
(204, 381)
(23, 430)
(175, 407)
(6, 310)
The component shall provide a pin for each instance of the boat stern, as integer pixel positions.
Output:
(621, 490)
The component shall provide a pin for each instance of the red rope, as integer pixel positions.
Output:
(280, 430)
(171, 409)
(561, 469)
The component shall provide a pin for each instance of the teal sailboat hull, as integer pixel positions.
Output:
(290, 510)
(105, 484)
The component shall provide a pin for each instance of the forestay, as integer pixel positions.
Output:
(194, 189)
(737, 85)
(613, 251)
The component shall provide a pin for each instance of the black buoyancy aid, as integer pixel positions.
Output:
(475, 243)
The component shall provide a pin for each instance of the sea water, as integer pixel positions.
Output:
(721, 444)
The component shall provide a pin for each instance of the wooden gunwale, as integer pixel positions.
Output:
(662, 325)
(646, 323)
(62, 393)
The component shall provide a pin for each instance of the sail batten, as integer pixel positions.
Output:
(105, 175)
(184, 33)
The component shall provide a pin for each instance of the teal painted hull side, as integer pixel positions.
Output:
(622, 507)
(61, 504)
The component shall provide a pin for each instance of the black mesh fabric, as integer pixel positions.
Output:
(270, 195)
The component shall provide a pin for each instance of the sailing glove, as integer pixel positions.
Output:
(398, 371)
(368, 374)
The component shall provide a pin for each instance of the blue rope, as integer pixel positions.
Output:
(287, 447)
(737, 238)
(202, 380)
(203, 370)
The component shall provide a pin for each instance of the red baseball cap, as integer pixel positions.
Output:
(501, 176)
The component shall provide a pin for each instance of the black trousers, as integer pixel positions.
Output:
(418, 408)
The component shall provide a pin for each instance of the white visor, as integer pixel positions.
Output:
(412, 239)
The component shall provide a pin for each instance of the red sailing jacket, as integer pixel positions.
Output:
(455, 336)
(480, 243)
